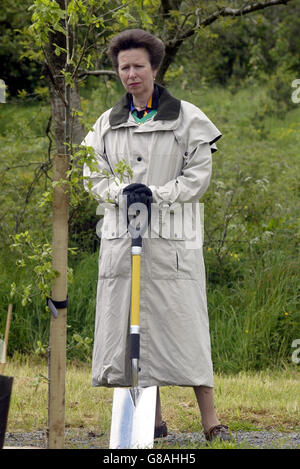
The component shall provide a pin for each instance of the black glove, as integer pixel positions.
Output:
(138, 193)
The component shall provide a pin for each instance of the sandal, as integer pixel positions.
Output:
(218, 432)
(161, 431)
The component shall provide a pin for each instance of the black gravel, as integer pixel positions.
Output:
(83, 439)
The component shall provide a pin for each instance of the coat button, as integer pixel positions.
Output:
(139, 158)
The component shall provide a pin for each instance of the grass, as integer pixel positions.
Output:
(266, 400)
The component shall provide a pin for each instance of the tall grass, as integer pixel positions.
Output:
(254, 323)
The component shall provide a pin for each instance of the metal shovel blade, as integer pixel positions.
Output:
(133, 418)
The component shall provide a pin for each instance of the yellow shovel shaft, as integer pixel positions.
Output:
(135, 290)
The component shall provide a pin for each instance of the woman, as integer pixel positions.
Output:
(168, 144)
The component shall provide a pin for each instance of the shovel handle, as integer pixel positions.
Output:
(136, 251)
(135, 303)
(135, 288)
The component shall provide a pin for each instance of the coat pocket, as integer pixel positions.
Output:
(115, 258)
(163, 259)
(120, 257)
(189, 262)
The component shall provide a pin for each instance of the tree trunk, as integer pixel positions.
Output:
(56, 83)
(58, 325)
(57, 91)
(58, 115)
(60, 109)
(77, 130)
(171, 51)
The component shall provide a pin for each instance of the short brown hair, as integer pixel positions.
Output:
(137, 39)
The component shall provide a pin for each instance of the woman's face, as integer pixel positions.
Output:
(136, 73)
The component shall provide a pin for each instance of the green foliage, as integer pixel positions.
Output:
(77, 32)
(233, 50)
(123, 171)
(80, 347)
(17, 74)
(35, 259)
(46, 18)
(24, 166)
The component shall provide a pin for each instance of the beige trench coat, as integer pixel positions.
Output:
(171, 153)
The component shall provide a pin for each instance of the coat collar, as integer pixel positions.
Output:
(168, 109)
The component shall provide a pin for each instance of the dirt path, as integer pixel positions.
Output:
(83, 439)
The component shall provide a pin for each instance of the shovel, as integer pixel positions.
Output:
(5, 381)
(133, 412)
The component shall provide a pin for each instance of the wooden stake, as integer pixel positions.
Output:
(7, 327)
(57, 345)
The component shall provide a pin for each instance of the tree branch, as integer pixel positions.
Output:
(82, 52)
(52, 77)
(227, 11)
(175, 40)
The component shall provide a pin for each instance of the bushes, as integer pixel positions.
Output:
(254, 323)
